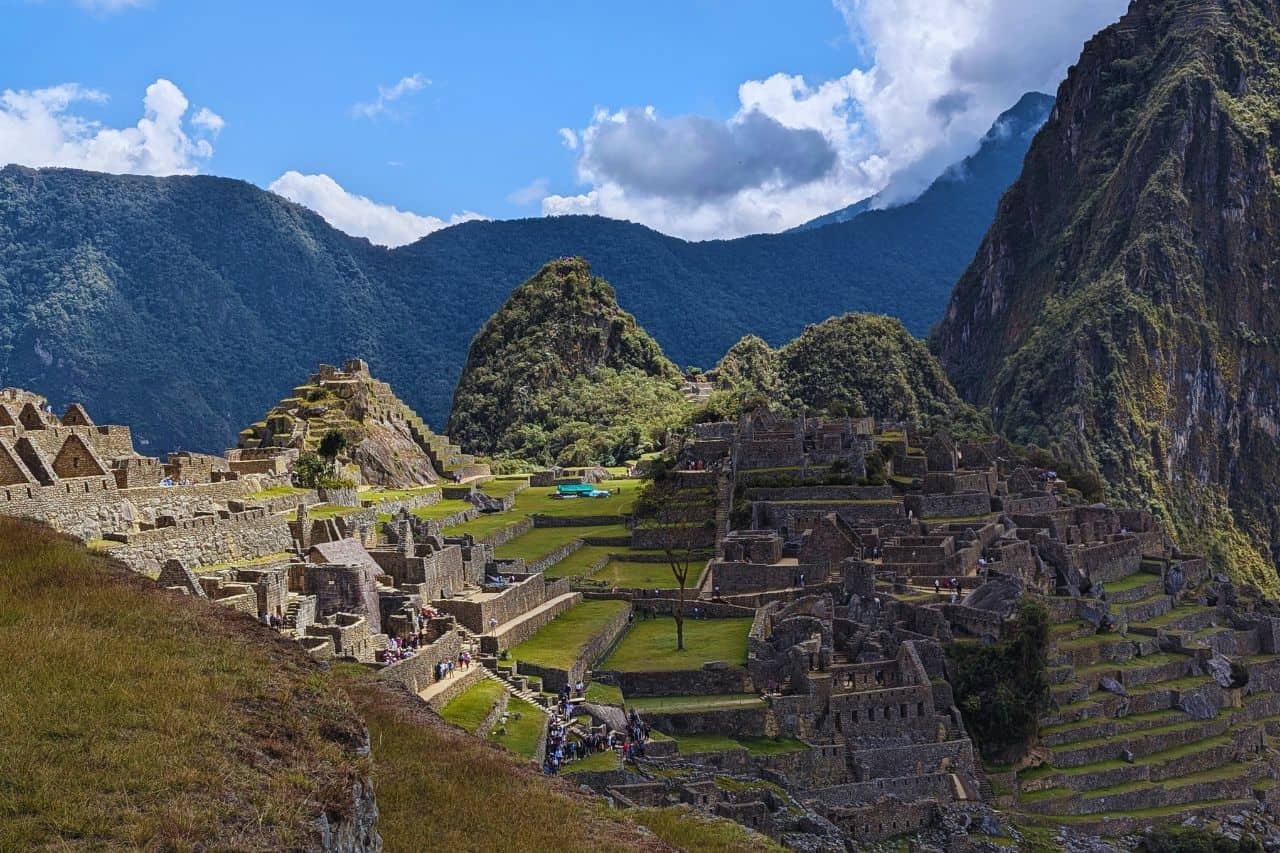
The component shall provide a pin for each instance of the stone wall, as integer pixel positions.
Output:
(503, 535)
(823, 493)
(541, 565)
(509, 604)
(959, 505)
(418, 672)
(205, 540)
(516, 632)
(708, 681)
(577, 520)
(735, 578)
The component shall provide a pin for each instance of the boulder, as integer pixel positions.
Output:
(1219, 667)
(1174, 580)
(1110, 685)
(1197, 707)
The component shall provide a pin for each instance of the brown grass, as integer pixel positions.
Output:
(129, 719)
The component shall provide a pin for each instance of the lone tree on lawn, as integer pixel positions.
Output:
(684, 521)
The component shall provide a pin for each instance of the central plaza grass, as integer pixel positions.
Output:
(561, 640)
(503, 486)
(628, 574)
(468, 709)
(650, 645)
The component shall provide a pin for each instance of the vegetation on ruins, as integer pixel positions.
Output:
(122, 703)
(1002, 687)
(561, 374)
(1195, 840)
(680, 517)
(1129, 324)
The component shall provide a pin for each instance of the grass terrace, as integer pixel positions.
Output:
(691, 744)
(439, 510)
(273, 492)
(542, 541)
(603, 694)
(650, 645)
(692, 704)
(236, 564)
(469, 708)
(559, 643)
(502, 486)
(580, 562)
(627, 574)
(523, 730)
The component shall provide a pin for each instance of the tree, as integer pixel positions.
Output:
(332, 444)
(685, 521)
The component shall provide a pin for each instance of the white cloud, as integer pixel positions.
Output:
(535, 191)
(936, 75)
(358, 215)
(388, 95)
(210, 121)
(39, 128)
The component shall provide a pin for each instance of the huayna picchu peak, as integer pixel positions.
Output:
(561, 533)
(1123, 309)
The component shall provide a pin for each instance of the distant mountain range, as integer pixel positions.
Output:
(187, 305)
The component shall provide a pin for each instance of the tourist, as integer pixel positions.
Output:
(937, 587)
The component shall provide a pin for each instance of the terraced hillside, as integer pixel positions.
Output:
(386, 441)
(1162, 737)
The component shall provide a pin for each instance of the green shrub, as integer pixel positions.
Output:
(1001, 688)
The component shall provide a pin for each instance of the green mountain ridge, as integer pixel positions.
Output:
(182, 305)
(1122, 309)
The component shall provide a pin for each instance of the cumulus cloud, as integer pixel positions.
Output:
(388, 95)
(358, 215)
(936, 75)
(40, 128)
(568, 138)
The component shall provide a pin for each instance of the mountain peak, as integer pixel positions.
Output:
(997, 160)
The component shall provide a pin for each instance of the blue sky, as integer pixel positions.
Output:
(841, 100)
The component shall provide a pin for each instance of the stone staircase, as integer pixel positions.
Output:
(1166, 738)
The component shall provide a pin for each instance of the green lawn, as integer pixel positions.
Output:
(682, 704)
(503, 486)
(603, 694)
(482, 525)
(274, 492)
(596, 761)
(541, 541)
(560, 641)
(624, 574)
(689, 744)
(539, 500)
(524, 728)
(469, 708)
(440, 509)
(650, 645)
(579, 563)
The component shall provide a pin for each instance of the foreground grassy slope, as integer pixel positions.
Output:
(130, 720)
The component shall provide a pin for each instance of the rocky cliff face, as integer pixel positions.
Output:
(1123, 309)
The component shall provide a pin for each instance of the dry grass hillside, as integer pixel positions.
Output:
(127, 721)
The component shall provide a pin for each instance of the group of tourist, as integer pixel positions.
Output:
(561, 748)
(953, 585)
(399, 649)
